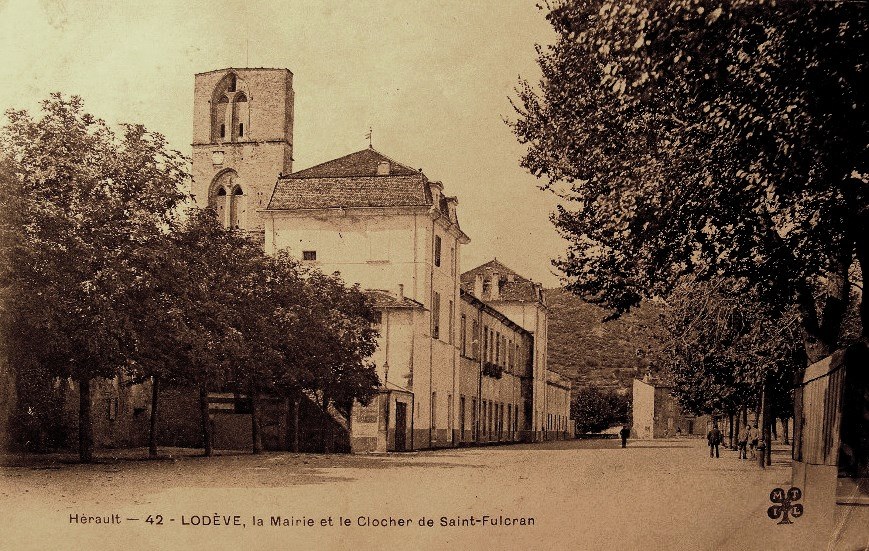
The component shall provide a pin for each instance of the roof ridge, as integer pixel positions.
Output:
(302, 174)
(391, 160)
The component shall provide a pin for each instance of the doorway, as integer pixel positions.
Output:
(400, 426)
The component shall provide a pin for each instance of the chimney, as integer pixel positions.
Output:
(478, 286)
(495, 288)
(401, 290)
(437, 189)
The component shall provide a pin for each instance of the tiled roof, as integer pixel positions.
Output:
(358, 191)
(352, 181)
(512, 285)
(385, 299)
(361, 163)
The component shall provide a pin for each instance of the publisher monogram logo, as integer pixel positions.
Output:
(784, 506)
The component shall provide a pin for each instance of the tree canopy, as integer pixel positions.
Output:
(720, 349)
(104, 274)
(717, 139)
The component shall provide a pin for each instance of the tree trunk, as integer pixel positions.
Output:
(764, 399)
(207, 445)
(773, 428)
(766, 407)
(255, 431)
(296, 403)
(152, 435)
(785, 438)
(327, 426)
(730, 430)
(736, 428)
(85, 424)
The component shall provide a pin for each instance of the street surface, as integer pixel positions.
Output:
(585, 494)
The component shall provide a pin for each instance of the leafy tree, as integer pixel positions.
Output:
(706, 138)
(716, 139)
(722, 349)
(81, 200)
(342, 340)
(594, 410)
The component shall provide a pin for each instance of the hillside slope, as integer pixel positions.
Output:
(595, 354)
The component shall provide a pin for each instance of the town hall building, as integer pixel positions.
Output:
(456, 365)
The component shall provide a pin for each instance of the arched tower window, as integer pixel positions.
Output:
(230, 110)
(236, 205)
(219, 108)
(228, 199)
(240, 114)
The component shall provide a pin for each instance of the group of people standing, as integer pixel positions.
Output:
(747, 440)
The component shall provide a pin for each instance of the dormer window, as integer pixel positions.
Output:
(383, 168)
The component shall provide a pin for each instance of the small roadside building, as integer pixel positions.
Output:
(656, 414)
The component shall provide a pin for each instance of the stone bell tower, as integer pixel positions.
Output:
(242, 140)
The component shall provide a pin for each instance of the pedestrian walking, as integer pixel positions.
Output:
(624, 433)
(743, 443)
(753, 437)
(714, 439)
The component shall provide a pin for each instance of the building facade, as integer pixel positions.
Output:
(523, 301)
(455, 367)
(388, 227)
(656, 414)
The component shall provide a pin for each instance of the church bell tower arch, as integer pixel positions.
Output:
(242, 140)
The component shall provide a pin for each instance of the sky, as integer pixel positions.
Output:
(432, 79)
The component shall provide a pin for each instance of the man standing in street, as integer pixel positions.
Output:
(753, 438)
(714, 438)
(743, 442)
(624, 434)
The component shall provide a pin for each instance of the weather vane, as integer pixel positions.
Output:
(368, 137)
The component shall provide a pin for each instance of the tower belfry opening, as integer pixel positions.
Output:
(243, 123)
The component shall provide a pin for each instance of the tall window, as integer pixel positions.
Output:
(234, 206)
(485, 344)
(462, 417)
(452, 312)
(450, 412)
(475, 340)
(230, 110)
(434, 409)
(437, 250)
(436, 316)
(491, 345)
(497, 348)
(228, 199)
(474, 418)
(463, 335)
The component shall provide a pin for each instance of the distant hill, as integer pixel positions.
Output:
(595, 354)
